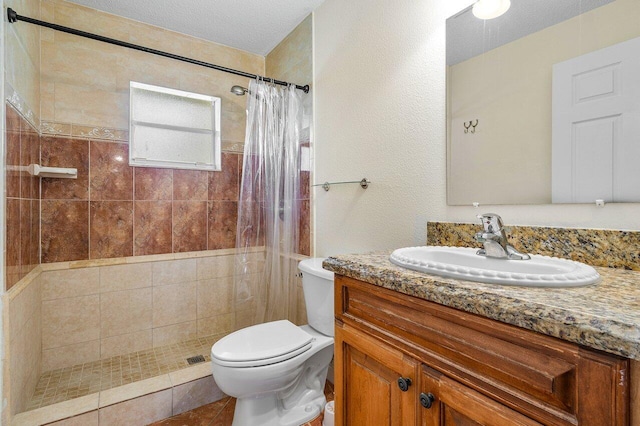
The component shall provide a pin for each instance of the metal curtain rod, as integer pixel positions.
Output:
(13, 16)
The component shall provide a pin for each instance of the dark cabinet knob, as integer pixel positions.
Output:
(427, 399)
(404, 383)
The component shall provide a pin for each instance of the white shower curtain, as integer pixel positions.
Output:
(268, 209)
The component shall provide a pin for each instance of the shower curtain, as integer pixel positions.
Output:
(267, 231)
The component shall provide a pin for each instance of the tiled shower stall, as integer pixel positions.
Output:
(123, 273)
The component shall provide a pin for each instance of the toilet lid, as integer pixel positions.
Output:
(261, 344)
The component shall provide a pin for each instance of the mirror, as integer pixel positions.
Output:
(543, 104)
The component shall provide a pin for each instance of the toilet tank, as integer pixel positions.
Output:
(317, 285)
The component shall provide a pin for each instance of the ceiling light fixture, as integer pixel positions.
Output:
(489, 9)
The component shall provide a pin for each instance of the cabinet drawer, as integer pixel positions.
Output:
(514, 366)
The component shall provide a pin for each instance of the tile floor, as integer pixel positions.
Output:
(220, 413)
(84, 379)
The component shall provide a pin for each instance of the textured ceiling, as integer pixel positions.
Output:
(468, 36)
(253, 25)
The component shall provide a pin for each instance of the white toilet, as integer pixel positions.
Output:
(277, 370)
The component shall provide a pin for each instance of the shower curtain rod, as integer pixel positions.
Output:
(13, 16)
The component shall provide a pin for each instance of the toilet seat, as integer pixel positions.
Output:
(261, 344)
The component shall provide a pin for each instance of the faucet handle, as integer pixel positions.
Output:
(491, 222)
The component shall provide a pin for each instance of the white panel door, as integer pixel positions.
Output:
(596, 126)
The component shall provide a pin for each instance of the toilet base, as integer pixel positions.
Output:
(265, 412)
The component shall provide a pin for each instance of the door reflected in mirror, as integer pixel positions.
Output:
(543, 104)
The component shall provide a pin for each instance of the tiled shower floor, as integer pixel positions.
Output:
(84, 379)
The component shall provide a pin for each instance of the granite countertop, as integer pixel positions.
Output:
(604, 316)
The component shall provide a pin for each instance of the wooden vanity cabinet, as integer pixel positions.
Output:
(401, 360)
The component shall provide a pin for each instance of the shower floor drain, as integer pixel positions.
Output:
(195, 359)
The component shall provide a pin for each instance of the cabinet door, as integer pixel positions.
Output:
(453, 404)
(367, 388)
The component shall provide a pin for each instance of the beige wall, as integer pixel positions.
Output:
(22, 59)
(22, 332)
(509, 90)
(379, 78)
(87, 82)
(92, 312)
(291, 59)
(69, 313)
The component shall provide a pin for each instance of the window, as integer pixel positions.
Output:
(173, 129)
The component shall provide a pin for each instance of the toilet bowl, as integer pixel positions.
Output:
(277, 370)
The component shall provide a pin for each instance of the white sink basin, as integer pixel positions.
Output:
(463, 263)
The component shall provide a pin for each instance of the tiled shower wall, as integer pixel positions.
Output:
(114, 210)
(94, 310)
(23, 193)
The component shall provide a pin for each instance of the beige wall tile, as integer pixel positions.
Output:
(124, 312)
(215, 325)
(111, 68)
(139, 411)
(91, 20)
(190, 374)
(28, 34)
(66, 356)
(62, 410)
(174, 271)
(24, 306)
(126, 343)
(91, 106)
(70, 320)
(195, 394)
(173, 304)
(20, 71)
(79, 62)
(215, 267)
(291, 60)
(70, 283)
(140, 67)
(215, 297)
(125, 277)
(87, 419)
(174, 333)
(24, 362)
(134, 390)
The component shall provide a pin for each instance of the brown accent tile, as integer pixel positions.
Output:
(305, 185)
(65, 230)
(190, 185)
(25, 237)
(110, 176)
(304, 230)
(224, 185)
(13, 160)
(253, 213)
(222, 217)
(29, 154)
(189, 225)
(13, 119)
(35, 144)
(34, 254)
(111, 229)
(13, 241)
(153, 184)
(152, 227)
(64, 152)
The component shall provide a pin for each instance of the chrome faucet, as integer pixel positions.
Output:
(495, 240)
